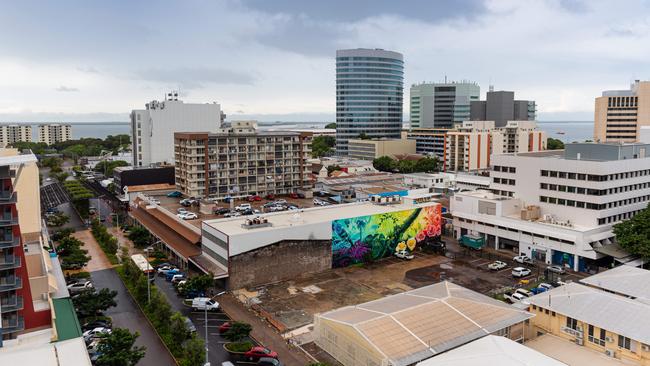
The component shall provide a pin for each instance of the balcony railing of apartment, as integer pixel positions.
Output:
(11, 304)
(9, 241)
(10, 283)
(13, 325)
(9, 262)
(8, 219)
(7, 197)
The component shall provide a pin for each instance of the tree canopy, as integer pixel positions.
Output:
(93, 303)
(331, 125)
(554, 144)
(322, 146)
(78, 148)
(633, 235)
(119, 349)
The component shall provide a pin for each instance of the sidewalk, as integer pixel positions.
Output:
(98, 260)
(123, 240)
(263, 332)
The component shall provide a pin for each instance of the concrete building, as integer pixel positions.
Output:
(442, 105)
(287, 244)
(471, 182)
(152, 128)
(563, 209)
(344, 188)
(501, 107)
(15, 133)
(627, 281)
(429, 141)
(406, 328)
(611, 325)
(429, 180)
(369, 92)
(620, 114)
(240, 160)
(130, 176)
(52, 133)
(375, 148)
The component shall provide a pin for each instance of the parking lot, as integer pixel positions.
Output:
(52, 195)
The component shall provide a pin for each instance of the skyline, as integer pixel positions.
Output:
(277, 61)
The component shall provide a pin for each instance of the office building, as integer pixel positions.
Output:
(369, 91)
(239, 161)
(15, 133)
(501, 107)
(621, 114)
(375, 148)
(416, 325)
(152, 128)
(559, 207)
(441, 105)
(52, 133)
(429, 141)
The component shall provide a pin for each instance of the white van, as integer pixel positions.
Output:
(204, 303)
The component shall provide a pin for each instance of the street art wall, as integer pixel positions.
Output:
(366, 238)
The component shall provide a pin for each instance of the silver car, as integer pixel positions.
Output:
(556, 269)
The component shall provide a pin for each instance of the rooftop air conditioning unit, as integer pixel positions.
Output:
(610, 353)
(579, 342)
(609, 339)
(645, 347)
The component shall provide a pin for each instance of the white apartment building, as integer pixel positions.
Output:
(52, 133)
(559, 206)
(430, 180)
(152, 128)
(14, 133)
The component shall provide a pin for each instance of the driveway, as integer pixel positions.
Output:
(98, 260)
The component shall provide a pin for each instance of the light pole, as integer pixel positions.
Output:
(148, 288)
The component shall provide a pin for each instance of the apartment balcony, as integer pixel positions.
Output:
(7, 197)
(9, 241)
(10, 284)
(10, 262)
(13, 325)
(10, 305)
(8, 219)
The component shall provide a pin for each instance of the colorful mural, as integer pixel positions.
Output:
(364, 238)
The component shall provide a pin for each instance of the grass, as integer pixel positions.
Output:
(238, 347)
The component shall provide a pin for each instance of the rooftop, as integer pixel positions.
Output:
(421, 323)
(66, 322)
(492, 350)
(615, 313)
(633, 282)
(571, 353)
(35, 349)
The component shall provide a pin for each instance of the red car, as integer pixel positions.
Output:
(254, 198)
(270, 196)
(293, 195)
(223, 328)
(255, 353)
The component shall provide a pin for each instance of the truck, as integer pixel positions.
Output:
(204, 303)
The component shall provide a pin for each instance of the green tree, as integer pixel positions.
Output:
(238, 331)
(406, 166)
(363, 136)
(160, 311)
(178, 329)
(554, 144)
(119, 349)
(107, 167)
(333, 168)
(58, 219)
(93, 303)
(193, 352)
(139, 236)
(322, 146)
(199, 283)
(38, 148)
(633, 235)
(385, 164)
(427, 165)
(331, 125)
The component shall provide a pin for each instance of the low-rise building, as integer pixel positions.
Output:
(375, 148)
(350, 166)
(131, 176)
(627, 281)
(343, 188)
(52, 133)
(15, 133)
(430, 141)
(239, 161)
(471, 182)
(430, 180)
(406, 328)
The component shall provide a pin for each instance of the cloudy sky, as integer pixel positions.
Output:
(274, 59)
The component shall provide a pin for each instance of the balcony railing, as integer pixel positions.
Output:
(8, 219)
(14, 304)
(11, 284)
(9, 241)
(10, 262)
(7, 197)
(15, 325)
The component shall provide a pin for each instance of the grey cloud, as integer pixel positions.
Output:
(64, 88)
(88, 69)
(196, 77)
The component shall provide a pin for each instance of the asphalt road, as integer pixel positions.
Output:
(216, 353)
(127, 315)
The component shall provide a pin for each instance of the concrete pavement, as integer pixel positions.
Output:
(98, 260)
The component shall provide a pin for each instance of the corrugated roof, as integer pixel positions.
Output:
(615, 313)
(626, 280)
(66, 322)
(418, 324)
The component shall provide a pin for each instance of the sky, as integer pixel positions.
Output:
(274, 60)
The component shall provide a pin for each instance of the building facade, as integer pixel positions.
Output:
(369, 92)
(429, 141)
(501, 107)
(15, 133)
(152, 128)
(239, 161)
(372, 149)
(441, 105)
(564, 210)
(620, 114)
(54, 132)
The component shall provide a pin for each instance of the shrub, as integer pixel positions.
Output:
(239, 346)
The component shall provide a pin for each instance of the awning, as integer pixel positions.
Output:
(612, 250)
(209, 266)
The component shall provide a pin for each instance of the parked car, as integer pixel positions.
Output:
(520, 272)
(524, 292)
(546, 286)
(254, 198)
(178, 278)
(232, 214)
(175, 194)
(556, 269)
(244, 207)
(522, 259)
(268, 361)
(181, 210)
(96, 324)
(187, 202)
(250, 212)
(223, 328)
(404, 254)
(497, 265)
(77, 287)
(514, 297)
(187, 216)
(171, 273)
(293, 195)
(227, 363)
(204, 303)
(220, 210)
(89, 335)
(190, 326)
(258, 352)
(162, 271)
(270, 196)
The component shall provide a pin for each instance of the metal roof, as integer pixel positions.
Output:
(626, 280)
(602, 309)
(492, 350)
(421, 323)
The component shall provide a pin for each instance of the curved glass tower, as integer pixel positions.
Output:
(369, 89)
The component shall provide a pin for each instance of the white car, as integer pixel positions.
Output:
(80, 286)
(164, 269)
(520, 272)
(514, 297)
(276, 208)
(94, 333)
(232, 214)
(244, 207)
(182, 210)
(522, 259)
(546, 286)
(187, 216)
(524, 292)
(404, 254)
(204, 303)
(497, 265)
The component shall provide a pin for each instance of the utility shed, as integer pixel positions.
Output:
(407, 328)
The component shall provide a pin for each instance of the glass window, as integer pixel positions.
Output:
(624, 342)
(571, 323)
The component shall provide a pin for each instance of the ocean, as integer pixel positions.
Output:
(567, 131)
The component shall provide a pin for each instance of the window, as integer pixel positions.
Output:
(544, 173)
(571, 323)
(624, 342)
(600, 340)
